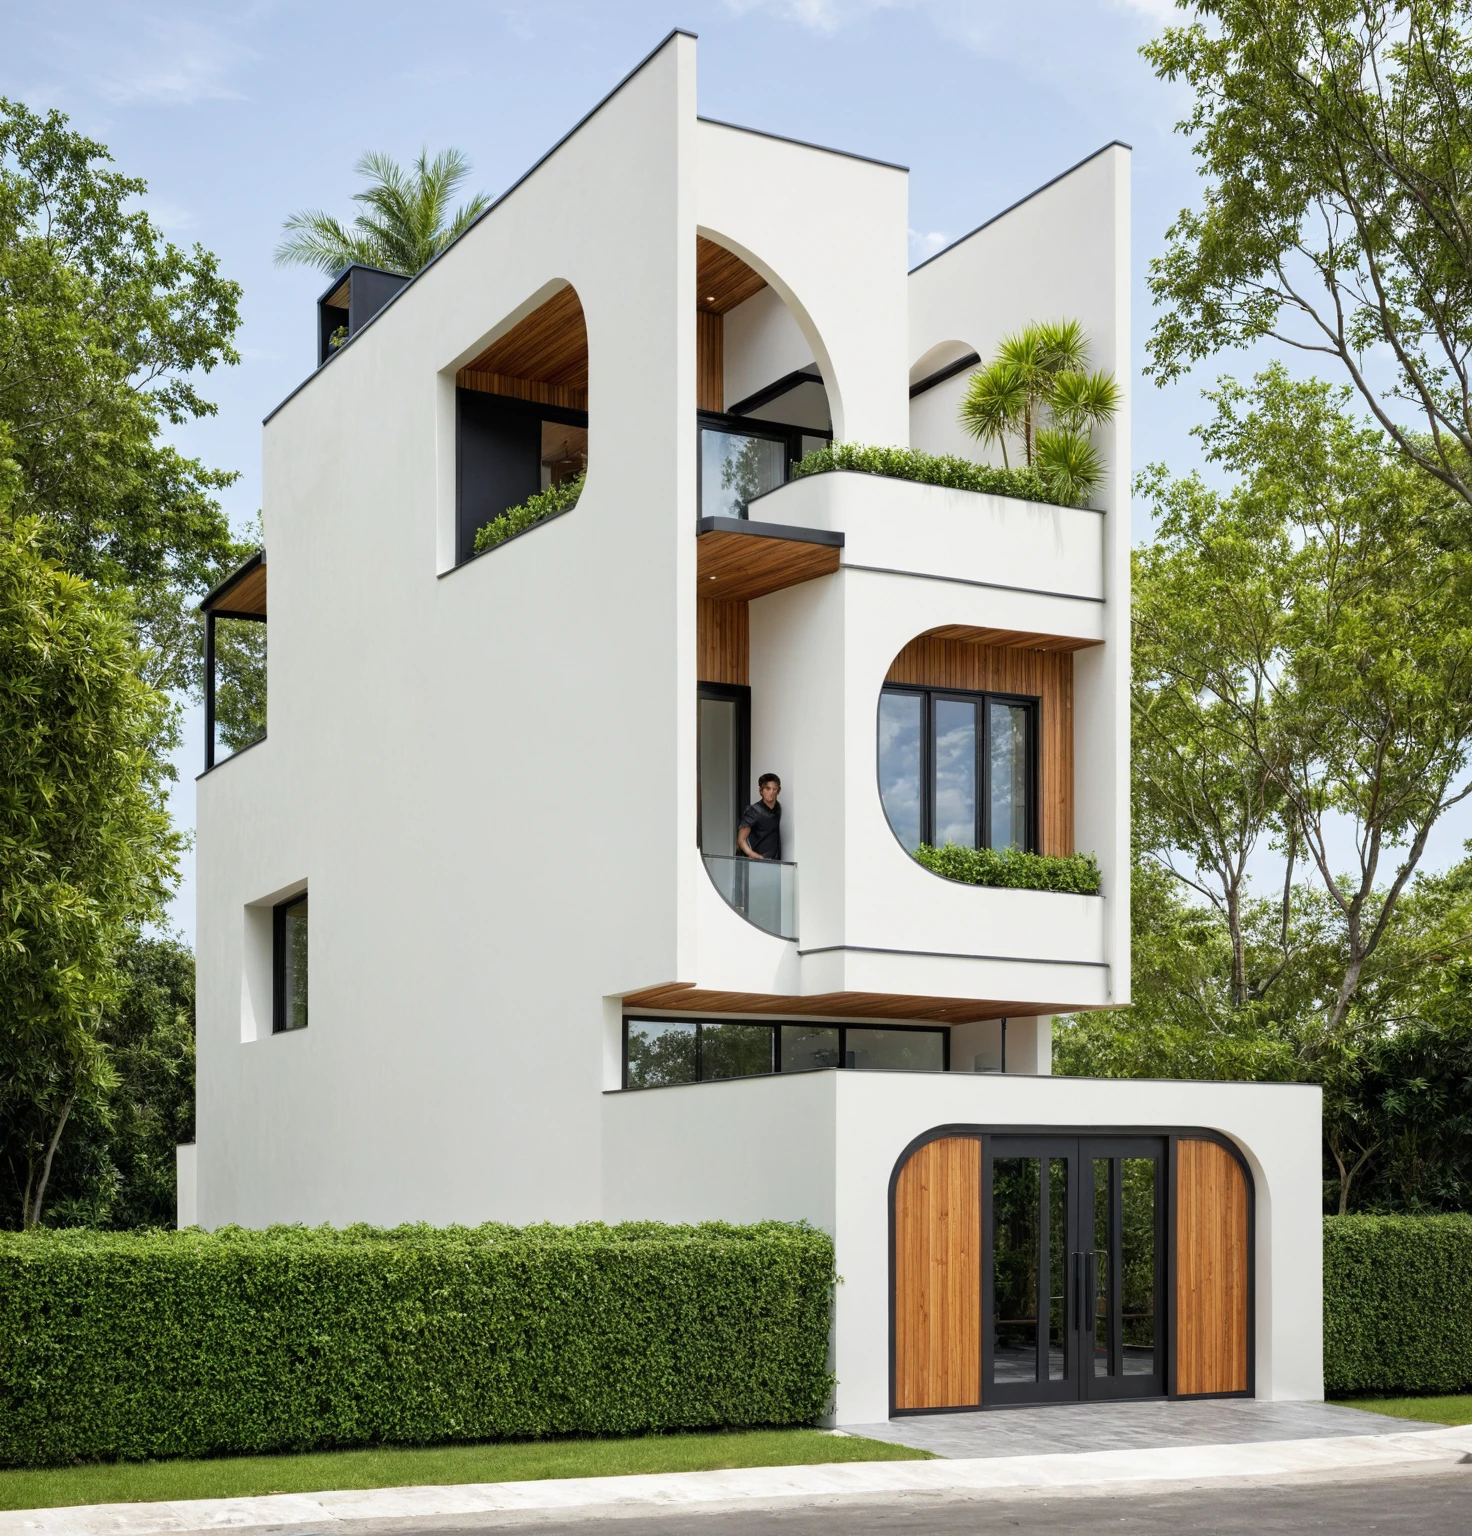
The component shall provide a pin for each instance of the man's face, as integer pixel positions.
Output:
(769, 792)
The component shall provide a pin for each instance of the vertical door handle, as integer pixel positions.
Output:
(1078, 1291)
(1091, 1287)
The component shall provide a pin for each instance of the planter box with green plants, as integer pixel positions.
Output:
(555, 500)
(1077, 873)
(1037, 393)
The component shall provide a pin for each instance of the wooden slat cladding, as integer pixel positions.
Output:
(740, 566)
(550, 346)
(684, 997)
(722, 642)
(1211, 1270)
(722, 279)
(710, 361)
(565, 395)
(937, 1276)
(932, 661)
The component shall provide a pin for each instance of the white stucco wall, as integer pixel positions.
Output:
(475, 889)
(765, 1145)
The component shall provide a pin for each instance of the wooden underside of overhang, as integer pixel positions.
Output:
(544, 357)
(722, 279)
(679, 997)
(1007, 639)
(736, 567)
(244, 594)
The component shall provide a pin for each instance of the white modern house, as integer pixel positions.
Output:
(475, 941)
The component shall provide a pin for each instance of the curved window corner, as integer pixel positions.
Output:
(763, 891)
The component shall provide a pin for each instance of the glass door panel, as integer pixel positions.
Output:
(1073, 1240)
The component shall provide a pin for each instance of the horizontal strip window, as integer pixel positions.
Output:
(660, 1053)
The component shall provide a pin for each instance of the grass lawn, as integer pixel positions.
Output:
(1432, 1410)
(315, 1472)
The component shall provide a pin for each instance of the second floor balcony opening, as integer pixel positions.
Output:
(521, 427)
(760, 398)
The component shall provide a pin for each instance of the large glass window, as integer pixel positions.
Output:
(661, 1052)
(958, 768)
(290, 964)
(742, 458)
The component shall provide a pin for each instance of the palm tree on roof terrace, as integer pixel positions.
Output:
(403, 223)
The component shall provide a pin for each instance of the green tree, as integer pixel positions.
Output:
(87, 852)
(1334, 138)
(1037, 389)
(115, 1167)
(404, 221)
(1308, 636)
(105, 328)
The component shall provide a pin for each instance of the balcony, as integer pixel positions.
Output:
(763, 891)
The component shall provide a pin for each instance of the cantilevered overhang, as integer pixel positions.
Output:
(737, 560)
(681, 997)
(243, 595)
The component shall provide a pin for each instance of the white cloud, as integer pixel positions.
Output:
(175, 62)
(819, 15)
(927, 244)
(168, 216)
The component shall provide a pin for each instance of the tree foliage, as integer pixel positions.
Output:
(1334, 138)
(105, 328)
(87, 852)
(404, 220)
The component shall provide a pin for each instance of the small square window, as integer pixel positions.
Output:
(290, 964)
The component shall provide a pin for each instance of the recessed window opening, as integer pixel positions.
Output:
(723, 747)
(958, 768)
(235, 662)
(660, 1053)
(289, 964)
(521, 418)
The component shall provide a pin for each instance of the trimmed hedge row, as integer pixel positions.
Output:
(124, 1346)
(945, 469)
(1397, 1304)
(1012, 867)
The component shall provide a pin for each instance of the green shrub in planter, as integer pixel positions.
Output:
(535, 509)
(1074, 872)
(127, 1345)
(929, 469)
(1397, 1304)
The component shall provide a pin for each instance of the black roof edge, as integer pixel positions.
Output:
(940, 375)
(259, 558)
(531, 171)
(812, 374)
(355, 266)
(1026, 197)
(757, 530)
(782, 138)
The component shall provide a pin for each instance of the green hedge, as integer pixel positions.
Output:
(930, 469)
(125, 1346)
(1397, 1304)
(1074, 872)
(535, 509)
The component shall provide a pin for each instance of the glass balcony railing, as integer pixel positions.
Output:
(763, 891)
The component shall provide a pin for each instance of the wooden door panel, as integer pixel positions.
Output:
(937, 1287)
(1211, 1270)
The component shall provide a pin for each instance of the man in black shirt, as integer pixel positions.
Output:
(760, 834)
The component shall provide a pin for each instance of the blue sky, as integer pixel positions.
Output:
(238, 115)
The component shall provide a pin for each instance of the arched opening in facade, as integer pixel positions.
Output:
(521, 416)
(975, 740)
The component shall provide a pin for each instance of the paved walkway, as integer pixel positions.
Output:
(381, 1511)
(1076, 1427)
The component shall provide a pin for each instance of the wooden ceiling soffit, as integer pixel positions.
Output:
(242, 594)
(544, 357)
(682, 998)
(722, 279)
(1009, 639)
(736, 567)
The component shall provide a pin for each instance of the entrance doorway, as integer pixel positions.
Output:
(1077, 1265)
(1075, 1233)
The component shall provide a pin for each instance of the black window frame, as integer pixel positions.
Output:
(279, 1012)
(928, 696)
(775, 431)
(740, 693)
(774, 1025)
